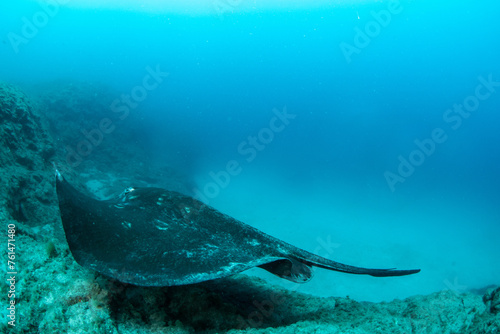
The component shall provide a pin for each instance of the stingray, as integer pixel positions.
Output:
(157, 237)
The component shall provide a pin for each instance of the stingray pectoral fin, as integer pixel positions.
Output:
(321, 262)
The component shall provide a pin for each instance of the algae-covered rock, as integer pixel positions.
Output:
(23, 141)
(26, 151)
(492, 300)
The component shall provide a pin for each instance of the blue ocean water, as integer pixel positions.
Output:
(364, 131)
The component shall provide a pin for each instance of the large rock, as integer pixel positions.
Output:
(26, 151)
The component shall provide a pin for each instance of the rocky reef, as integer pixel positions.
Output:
(53, 294)
(26, 152)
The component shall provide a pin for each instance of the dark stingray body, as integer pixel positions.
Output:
(156, 237)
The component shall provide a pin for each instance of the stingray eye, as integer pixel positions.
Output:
(126, 193)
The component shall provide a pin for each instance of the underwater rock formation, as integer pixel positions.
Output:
(25, 153)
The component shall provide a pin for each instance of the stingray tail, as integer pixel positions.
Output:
(321, 262)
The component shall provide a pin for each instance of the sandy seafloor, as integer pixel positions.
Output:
(56, 295)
